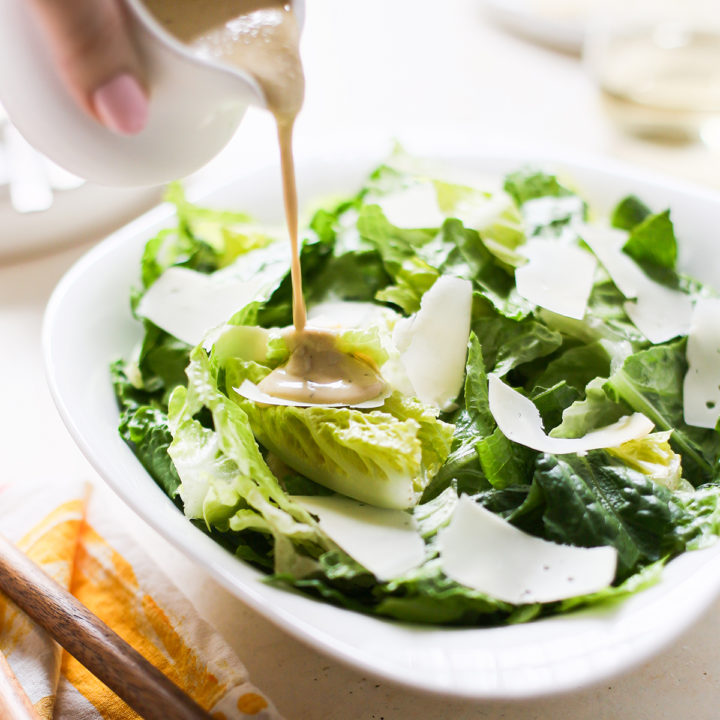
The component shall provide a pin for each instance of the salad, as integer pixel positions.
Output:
(548, 435)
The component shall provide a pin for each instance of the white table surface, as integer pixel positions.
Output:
(448, 68)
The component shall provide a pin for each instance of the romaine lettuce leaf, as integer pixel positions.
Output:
(701, 525)
(530, 184)
(508, 343)
(162, 360)
(578, 365)
(144, 427)
(223, 474)
(653, 242)
(596, 410)
(651, 382)
(204, 239)
(581, 374)
(373, 456)
(481, 455)
(494, 216)
(629, 212)
(653, 456)
(398, 248)
(598, 500)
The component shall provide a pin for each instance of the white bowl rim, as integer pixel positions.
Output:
(696, 602)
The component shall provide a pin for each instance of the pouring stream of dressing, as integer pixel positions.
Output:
(261, 37)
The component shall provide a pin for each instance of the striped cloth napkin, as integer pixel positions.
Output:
(72, 532)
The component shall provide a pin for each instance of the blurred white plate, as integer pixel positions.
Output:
(43, 206)
(88, 324)
(76, 215)
(556, 23)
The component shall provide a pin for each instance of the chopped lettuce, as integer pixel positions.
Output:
(234, 466)
(629, 212)
(650, 382)
(653, 241)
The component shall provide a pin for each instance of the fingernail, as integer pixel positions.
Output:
(122, 105)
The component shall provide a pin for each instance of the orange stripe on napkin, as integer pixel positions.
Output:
(52, 544)
(106, 584)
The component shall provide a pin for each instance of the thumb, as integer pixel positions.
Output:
(95, 55)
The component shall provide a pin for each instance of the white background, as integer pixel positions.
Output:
(388, 65)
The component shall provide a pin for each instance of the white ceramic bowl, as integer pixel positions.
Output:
(88, 324)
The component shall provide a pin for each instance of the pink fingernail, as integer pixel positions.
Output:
(122, 105)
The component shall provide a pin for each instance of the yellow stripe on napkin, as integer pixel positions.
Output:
(51, 543)
(82, 541)
(106, 584)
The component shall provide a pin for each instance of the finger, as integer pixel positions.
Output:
(95, 55)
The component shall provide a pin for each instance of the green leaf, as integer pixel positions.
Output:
(651, 382)
(478, 421)
(398, 249)
(577, 366)
(162, 359)
(224, 475)
(653, 456)
(504, 462)
(473, 422)
(531, 184)
(701, 526)
(596, 410)
(204, 239)
(553, 401)
(507, 343)
(144, 427)
(597, 500)
(440, 600)
(653, 242)
(173, 246)
(466, 256)
(629, 212)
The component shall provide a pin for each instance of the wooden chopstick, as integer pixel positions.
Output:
(92, 643)
(14, 703)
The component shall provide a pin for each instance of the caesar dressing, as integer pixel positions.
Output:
(261, 37)
(318, 372)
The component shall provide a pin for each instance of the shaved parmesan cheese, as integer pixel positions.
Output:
(252, 392)
(607, 243)
(484, 552)
(385, 542)
(433, 342)
(519, 420)
(557, 277)
(660, 314)
(412, 207)
(657, 311)
(187, 304)
(701, 390)
(543, 211)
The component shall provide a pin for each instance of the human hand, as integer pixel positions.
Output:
(95, 55)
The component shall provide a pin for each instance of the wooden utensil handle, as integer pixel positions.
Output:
(14, 703)
(106, 655)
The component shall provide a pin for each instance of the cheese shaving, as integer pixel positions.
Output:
(385, 542)
(519, 420)
(482, 551)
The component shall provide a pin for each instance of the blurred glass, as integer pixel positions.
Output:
(657, 63)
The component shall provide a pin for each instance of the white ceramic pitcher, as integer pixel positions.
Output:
(195, 104)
